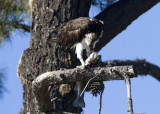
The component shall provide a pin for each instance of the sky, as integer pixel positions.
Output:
(141, 40)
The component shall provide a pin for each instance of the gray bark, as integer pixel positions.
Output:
(43, 55)
(42, 82)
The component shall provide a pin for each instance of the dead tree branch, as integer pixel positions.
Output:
(41, 83)
(142, 67)
(100, 103)
(129, 98)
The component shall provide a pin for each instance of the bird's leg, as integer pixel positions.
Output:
(88, 52)
(79, 51)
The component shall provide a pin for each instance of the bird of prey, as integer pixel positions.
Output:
(81, 33)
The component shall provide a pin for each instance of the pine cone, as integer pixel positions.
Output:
(96, 87)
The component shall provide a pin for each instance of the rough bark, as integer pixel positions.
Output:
(120, 15)
(43, 55)
(63, 76)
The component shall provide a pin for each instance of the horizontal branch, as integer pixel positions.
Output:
(41, 83)
(142, 67)
(120, 15)
(76, 74)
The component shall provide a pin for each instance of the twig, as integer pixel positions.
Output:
(87, 85)
(100, 104)
(128, 83)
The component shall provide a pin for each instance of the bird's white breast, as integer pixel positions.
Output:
(88, 39)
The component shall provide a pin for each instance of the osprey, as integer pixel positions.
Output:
(81, 33)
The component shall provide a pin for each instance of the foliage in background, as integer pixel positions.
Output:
(13, 14)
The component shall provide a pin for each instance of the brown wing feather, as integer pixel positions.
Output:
(74, 31)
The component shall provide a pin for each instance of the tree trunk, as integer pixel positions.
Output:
(44, 55)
